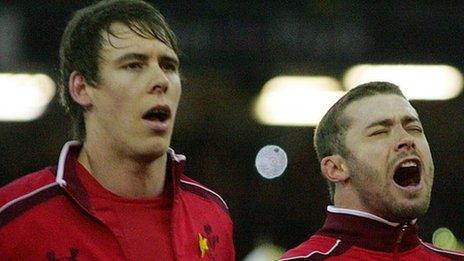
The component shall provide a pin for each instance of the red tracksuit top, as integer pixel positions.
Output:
(356, 235)
(48, 212)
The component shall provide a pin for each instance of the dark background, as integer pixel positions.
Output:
(230, 50)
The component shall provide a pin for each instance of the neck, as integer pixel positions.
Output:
(348, 199)
(123, 175)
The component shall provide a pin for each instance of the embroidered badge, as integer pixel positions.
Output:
(203, 244)
(213, 239)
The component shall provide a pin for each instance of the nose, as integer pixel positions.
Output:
(159, 82)
(405, 142)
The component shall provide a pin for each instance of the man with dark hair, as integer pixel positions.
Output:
(118, 192)
(374, 154)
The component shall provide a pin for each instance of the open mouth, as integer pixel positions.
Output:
(159, 113)
(408, 173)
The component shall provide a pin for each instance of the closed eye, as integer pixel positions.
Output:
(378, 132)
(415, 129)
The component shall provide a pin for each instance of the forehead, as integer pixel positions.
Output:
(379, 107)
(121, 39)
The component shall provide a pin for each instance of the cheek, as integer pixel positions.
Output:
(425, 146)
(176, 92)
(176, 85)
(373, 153)
(120, 102)
(425, 150)
(115, 101)
(374, 157)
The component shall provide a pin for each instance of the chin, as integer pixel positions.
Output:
(150, 155)
(149, 150)
(156, 148)
(411, 211)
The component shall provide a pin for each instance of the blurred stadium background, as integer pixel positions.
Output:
(230, 50)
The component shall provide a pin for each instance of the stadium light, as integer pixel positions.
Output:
(418, 82)
(296, 101)
(24, 97)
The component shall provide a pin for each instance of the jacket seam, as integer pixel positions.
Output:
(25, 196)
(207, 190)
(314, 252)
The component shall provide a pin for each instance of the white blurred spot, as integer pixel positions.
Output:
(24, 97)
(296, 101)
(418, 82)
(265, 252)
(271, 161)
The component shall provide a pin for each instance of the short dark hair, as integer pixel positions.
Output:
(329, 136)
(83, 39)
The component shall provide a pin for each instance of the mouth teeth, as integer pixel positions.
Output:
(407, 174)
(408, 164)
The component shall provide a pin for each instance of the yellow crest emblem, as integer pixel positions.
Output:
(203, 244)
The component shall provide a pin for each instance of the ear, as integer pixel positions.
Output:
(334, 168)
(78, 89)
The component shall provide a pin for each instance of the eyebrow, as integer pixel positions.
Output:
(409, 119)
(169, 58)
(144, 57)
(132, 56)
(389, 122)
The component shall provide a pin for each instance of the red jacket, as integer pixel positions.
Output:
(48, 212)
(355, 235)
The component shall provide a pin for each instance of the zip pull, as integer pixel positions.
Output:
(398, 241)
(400, 235)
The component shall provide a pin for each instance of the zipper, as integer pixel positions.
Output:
(98, 220)
(398, 242)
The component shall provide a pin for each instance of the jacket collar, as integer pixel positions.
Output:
(67, 178)
(369, 231)
(360, 213)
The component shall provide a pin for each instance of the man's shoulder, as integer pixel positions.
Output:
(25, 186)
(191, 186)
(315, 246)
